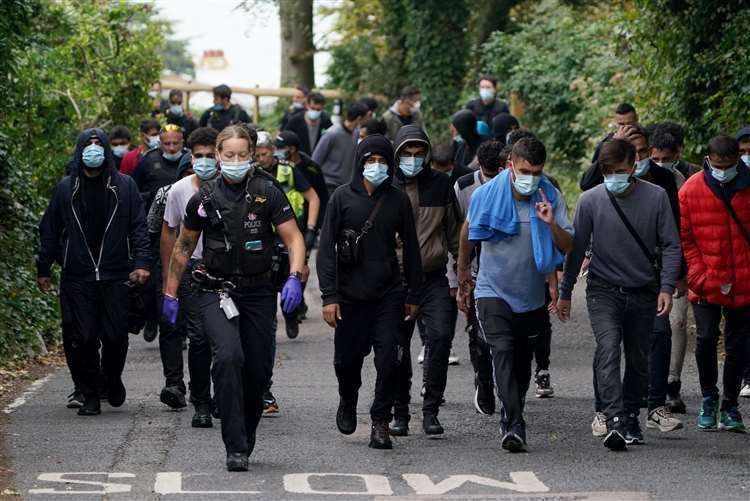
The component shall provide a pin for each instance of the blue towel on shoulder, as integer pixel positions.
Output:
(493, 217)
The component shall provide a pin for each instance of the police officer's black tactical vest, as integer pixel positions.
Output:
(239, 240)
(160, 175)
(215, 120)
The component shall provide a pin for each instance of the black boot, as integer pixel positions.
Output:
(237, 461)
(400, 426)
(173, 396)
(202, 416)
(431, 425)
(346, 417)
(674, 400)
(150, 331)
(116, 392)
(379, 436)
(91, 407)
(292, 327)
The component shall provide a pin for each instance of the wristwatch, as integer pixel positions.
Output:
(296, 274)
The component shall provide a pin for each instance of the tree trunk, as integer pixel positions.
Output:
(297, 48)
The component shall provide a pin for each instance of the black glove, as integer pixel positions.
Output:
(310, 236)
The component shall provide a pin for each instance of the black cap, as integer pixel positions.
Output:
(287, 138)
(742, 133)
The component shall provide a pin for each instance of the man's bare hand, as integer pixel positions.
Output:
(139, 275)
(44, 283)
(331, 313)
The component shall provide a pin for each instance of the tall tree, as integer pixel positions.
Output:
(297, 46)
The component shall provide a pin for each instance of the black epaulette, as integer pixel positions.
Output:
(465, 181)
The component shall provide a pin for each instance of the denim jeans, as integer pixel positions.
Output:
(620, 317)
(659, 356)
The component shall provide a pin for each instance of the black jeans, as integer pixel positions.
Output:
(626, 318)
(511, 337)
(659, 357)
(365, 326)
(736, 336)
(171, 336)
(543, 345)
(435, 308)
(241, 359)
(94, 313)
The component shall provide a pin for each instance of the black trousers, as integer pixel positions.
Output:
(94, 314)
(480, 352)
(659, 357)
(365, 326)
(171, 336)
(543, 345)
(736, 339)
(435, 309)
(242, 364)
(511, 337)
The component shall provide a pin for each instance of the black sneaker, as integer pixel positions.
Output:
(346, 417)
(173, 396)
(674, 400)
(543, 387)
(633, 433)
(270, 405)
(379, 436)
(484, 396)
(615, 438)
(202, 417)
(91, 407)
(237, 461)
(513, 442)
(150, 331)
(399, 426)
(76, 400)
(431, 425)
(116, 393)
(292, 328)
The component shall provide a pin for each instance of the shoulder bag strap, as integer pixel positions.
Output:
(372, 216)
(631, 230)
(736, 218)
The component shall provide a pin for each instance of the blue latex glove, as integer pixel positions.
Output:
(169, 308)
(291, 294)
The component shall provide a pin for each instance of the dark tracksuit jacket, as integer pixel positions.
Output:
(93, 296)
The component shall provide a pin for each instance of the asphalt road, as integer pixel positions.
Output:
(143, 450)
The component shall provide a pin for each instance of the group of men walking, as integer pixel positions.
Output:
(196, 243)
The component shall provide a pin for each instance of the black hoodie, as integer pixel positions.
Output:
(433, 202)
(466, 124)
(64, 231)
(377, 273)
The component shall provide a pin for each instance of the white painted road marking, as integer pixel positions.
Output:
(375, 485)
(35, 386)
(107, 487)
(171, 483)
(522, 481)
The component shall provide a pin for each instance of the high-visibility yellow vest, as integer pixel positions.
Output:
(285, 177)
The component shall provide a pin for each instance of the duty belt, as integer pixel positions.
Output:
(208, 281)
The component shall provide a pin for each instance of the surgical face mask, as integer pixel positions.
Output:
(486, 94)
(93, 156)
(235, 171)
(172, 157)
(526, 184)
(280, 154)
(666, 165)
(154, 141)
(746, 159)
(152, 94)
(204, 168)
(119, 151)
(642, 167)
(176, 109)
(375, 173)
(724, 176)
(298, 106)
(416, 106)
(411, 166)
(617, 183)
(313, 115)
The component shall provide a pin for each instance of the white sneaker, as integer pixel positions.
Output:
(745, 391)
(420, 357)
(599, 424)
(452, 359)
(661, 419)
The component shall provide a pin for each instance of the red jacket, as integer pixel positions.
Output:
(130, 161)
(717, 254)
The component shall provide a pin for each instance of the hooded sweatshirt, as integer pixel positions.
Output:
(433, 204)
(93, 234)
(466, 124)
(502, 124)
(377, 272)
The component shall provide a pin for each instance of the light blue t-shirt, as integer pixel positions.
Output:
(507, 269)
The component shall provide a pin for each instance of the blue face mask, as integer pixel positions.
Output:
(204, 168)
(93, 156)
(617, 183)
(280, 154)
(486, 94)
(526, 184)
(642, 167)
(172, 157)
(375, 173)
(176, 110)
(235, 171)
(119, 151)
(667, 165)
(411, 166)
(154, 141)
(313, 115)
(724, 176)
(218, 107)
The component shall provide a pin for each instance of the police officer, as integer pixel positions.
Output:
(93, 220)
(237, 214)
